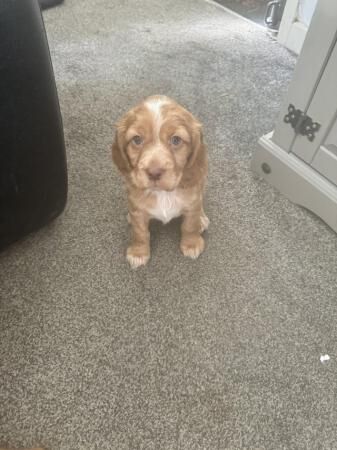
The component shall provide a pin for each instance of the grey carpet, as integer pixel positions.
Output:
(220, 353)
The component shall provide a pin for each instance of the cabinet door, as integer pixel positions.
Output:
(322, 109)
(318, 51)
(325, 159)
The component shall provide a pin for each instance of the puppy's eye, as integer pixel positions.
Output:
(176, 140)
(137, 140)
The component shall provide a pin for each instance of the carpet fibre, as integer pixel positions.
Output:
(219, 353)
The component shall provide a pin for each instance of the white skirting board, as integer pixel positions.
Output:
(296, 180)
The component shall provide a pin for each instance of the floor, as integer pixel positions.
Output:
(219, 353)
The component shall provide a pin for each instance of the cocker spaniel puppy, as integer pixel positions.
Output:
(159, 150)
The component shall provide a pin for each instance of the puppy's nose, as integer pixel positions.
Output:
(155, 174)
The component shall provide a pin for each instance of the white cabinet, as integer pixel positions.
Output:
(300, 156)
(325, 159)
(305, 11)
(295, 22)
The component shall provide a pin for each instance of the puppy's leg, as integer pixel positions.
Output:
(192, 243)
(138, 252)
(204, 221)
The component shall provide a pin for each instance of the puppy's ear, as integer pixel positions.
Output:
(198, 149)
(119, 155)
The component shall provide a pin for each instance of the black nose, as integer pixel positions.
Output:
(155, 174)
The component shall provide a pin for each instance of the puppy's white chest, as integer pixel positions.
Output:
(168, 206)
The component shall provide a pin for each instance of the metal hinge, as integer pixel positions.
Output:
(301, 123)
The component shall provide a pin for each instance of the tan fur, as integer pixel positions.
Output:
(183, 168)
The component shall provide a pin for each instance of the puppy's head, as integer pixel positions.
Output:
(156, 143)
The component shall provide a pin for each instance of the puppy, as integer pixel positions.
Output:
(159, 151)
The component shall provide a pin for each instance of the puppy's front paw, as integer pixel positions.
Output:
(137, 255)
(192, 246)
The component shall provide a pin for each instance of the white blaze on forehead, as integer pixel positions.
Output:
(155, 105)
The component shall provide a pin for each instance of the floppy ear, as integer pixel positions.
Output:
(198, 148)
(119, 152)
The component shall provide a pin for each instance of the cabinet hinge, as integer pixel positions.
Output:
(301, 123)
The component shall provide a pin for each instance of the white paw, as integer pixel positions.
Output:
(193, 248)
(136, 258)
(204, 220)
(193, 253)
